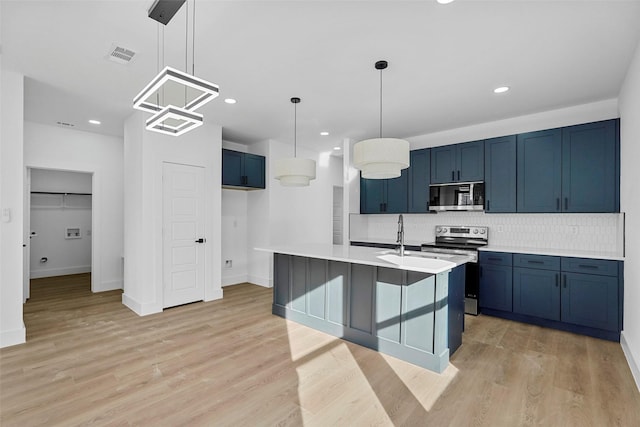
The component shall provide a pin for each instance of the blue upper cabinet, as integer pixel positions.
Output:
(384, 195)
(443, 164)
(242, 170)
(500, 174)
(457, 163)
(470, 161)
(254, 170)
(372, 195)
(540, 171)
(419, 179)
(573, 169)
(591, 167)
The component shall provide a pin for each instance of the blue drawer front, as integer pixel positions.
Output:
(601, 267)
(543, 262)
(496, 258)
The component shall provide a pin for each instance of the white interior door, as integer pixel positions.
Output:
(183, 234)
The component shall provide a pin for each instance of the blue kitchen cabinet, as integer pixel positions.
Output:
(496, 281)
(242, 170)
(572, 169)
(455, 298)
(384, 195)
(500, 174)
(457, 163)
(591, 167)
(536, 292)
(419, 179)
(539, 169)
(590, 300)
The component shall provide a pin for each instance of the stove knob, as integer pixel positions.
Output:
(475, 231)
(444, 230)
(483, 231)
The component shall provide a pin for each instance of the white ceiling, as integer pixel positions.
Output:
(444, 61)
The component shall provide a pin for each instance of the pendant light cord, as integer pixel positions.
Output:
(295, 128)
(380, 103)
(193, 41)
(186, 47)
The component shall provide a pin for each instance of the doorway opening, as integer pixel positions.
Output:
(58, 222)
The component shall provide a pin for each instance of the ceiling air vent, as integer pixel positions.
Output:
(120, 54)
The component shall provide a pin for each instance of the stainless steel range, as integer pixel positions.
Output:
(462, 240)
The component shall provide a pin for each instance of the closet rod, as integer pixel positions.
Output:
(58, 192)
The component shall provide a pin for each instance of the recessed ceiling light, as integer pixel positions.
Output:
(94, 122)
(230, 101)
(337, 148)
(324, 133)
(445, 1)
(501, 89)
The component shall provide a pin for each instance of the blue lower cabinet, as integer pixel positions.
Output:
(496, 287)
(590, 300)
(536, 293)
(579, 295)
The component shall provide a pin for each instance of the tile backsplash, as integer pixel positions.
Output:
(601, 232)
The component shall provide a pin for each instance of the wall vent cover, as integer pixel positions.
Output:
(120, 54)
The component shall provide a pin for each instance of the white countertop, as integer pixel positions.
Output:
(371, 256)
(556, 252)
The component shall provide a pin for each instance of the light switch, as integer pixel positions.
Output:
(6, 215)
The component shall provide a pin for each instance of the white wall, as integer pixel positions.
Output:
(51, 252)
(56, 148)
(289, 215)
(630, 203)
(144, 154)
(12, 330)
(578, 114)
(234, 229)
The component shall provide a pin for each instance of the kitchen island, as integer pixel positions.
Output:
(409, 307)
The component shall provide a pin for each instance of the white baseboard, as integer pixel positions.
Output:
(633, 364)
(216, 294)
(234, 280)
(61, 271)
(141, 309)
(13, 337)
(111, 285)
(261, 281)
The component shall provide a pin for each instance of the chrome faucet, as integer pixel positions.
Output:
(400, 235)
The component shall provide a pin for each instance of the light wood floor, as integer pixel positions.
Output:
(89, 360)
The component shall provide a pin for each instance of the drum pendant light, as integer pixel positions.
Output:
(381, 158)
(293, 171)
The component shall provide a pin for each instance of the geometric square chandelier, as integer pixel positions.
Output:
(173, 96)
(201, 91)
(174, 121)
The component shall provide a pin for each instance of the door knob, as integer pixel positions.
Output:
(201, 240)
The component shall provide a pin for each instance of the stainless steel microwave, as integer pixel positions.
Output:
(459, 196)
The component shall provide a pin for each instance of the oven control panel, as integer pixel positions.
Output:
(462, 231)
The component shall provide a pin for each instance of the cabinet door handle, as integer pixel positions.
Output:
(566, 203)
(556, 280)
(453, 176)
(557, 203)
(488, 205)
(564, 281)
(535, 262)
(588, 266)
(458, 175)
(381, 207)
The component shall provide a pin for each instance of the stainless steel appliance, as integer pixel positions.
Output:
(462, 240)
(461, 196)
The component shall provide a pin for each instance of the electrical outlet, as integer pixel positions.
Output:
(228, 263)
